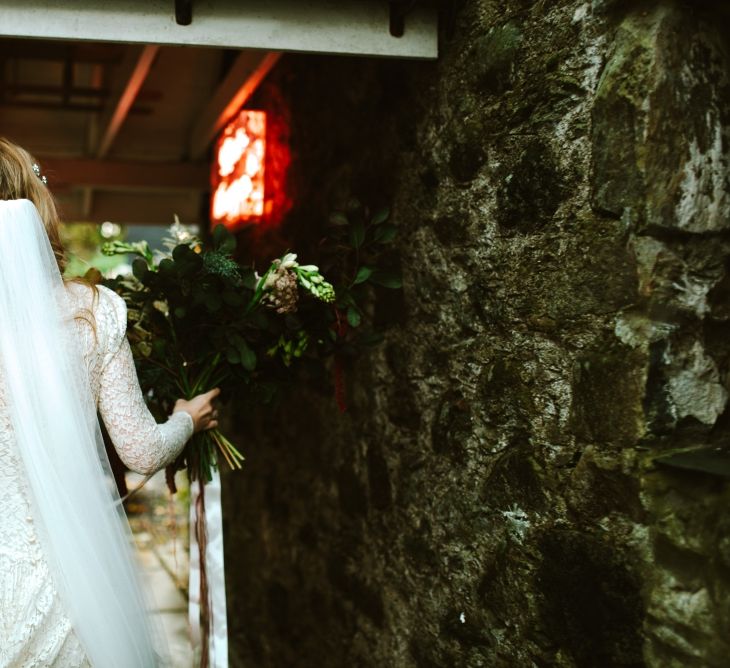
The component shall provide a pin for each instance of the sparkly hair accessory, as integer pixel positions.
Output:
(37, 170)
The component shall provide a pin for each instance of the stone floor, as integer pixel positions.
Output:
(160, 526)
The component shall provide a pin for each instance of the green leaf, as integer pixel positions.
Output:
(213, 302)
(232, 298)
(247, 356)
(229, 245)
(167, 266)
(363, 273)
(357, 235)
(371, 338)
(353, 316)
(248, 359)
(380, 216)
(232, 355)
(248, 278)
(338, 219)
(188, 262)
(180, 312)
(223, 240)
(139, 268)
(194, 261)
(385, 234)
(387, 280)
(345, 298)
(180, 252)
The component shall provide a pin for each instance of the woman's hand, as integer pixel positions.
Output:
(200, 407)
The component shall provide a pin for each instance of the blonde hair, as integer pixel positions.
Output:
(19, 181)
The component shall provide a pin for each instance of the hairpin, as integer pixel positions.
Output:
(37, 170)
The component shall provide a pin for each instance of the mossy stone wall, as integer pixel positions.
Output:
(560, 183)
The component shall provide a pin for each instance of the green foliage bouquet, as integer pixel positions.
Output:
(198, 320)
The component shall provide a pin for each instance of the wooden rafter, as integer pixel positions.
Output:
(26, 49)
(138, 67)
(242, 79)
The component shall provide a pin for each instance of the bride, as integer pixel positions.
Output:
(70, 593)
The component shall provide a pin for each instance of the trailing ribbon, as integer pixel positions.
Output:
(207, 583)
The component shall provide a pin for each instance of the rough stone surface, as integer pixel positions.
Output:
(559, 179)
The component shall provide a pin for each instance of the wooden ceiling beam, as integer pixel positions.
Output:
(71, 106)
(242, 79)
(138, 67)
(25, 49)
(75, 91)
(123, 175)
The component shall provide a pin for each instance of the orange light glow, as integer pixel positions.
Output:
(238, 173)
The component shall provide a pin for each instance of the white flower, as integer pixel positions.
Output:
(289, 260)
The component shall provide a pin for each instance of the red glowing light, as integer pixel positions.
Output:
(238, 172)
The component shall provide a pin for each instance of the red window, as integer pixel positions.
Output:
(239, 195)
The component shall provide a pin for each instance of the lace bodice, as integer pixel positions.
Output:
(34, 629)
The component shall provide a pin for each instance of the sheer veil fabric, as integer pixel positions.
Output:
(75, 504)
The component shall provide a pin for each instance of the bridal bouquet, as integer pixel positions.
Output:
(198, 320)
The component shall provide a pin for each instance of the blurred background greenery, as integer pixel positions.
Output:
(83, 241)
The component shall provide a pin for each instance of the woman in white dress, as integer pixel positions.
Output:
(59, 603)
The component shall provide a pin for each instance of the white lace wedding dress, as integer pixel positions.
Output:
(34, 628)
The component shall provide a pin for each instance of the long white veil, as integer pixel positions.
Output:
(75, 505)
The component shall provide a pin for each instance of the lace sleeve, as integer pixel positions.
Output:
(143, 445)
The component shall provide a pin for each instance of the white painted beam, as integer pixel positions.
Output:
(246, 73)
(113, 121)
(354, 27)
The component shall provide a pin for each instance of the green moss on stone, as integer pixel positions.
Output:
(494, 56)
(532, 190)
(607, 393)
